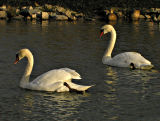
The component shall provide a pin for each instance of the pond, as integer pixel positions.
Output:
(119, 93)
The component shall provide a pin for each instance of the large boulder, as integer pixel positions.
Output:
(45, 15)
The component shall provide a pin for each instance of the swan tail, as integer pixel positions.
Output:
(73, 73)
(76, 87)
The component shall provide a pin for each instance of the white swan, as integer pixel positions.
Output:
(126, 59)
(58, 80)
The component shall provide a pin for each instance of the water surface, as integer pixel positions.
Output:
(118, 94)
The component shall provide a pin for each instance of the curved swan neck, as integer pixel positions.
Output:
(112, 41)
(25, 78)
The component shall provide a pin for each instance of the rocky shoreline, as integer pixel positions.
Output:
(58, 13)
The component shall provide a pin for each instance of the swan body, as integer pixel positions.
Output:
(53, 80)
(123, 59)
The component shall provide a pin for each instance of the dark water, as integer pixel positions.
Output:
(119, 94)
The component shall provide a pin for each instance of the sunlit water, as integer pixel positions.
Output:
(119, 93)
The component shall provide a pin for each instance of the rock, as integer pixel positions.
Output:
(48, 7)
(147, 16)
(17, 11)
(155, 10)
(30, 8)
(60, 9)
(3, 7)
(66, 12)
(28, 17)
(36, 4)
(120, 14)
(45, 16)
(35, 10)
(52, 14)
(78, 15)
(34, 16)
(3, 14)
(135, 15)
(158, 18)
(11, 11)
(19, 17)
(142, 17)
(25, 12)
(69, 15)
(61, 17)
(24, 7)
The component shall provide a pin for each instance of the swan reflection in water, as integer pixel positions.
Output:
(127, 88)
(60, 105)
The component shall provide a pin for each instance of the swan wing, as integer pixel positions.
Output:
(51, 77)
(73, 73)
(125, 59)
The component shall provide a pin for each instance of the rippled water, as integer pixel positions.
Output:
(119, 93)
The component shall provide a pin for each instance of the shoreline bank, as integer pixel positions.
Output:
(58, 13)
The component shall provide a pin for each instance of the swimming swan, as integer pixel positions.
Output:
(58, 80)
(126, 59)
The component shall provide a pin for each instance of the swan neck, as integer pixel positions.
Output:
(112, 41)
(25, 78)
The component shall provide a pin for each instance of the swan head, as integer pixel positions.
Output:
(105, 29)
(21, 54)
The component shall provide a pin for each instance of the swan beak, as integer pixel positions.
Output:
(17, 59)
(15, 62)
(101, 34)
